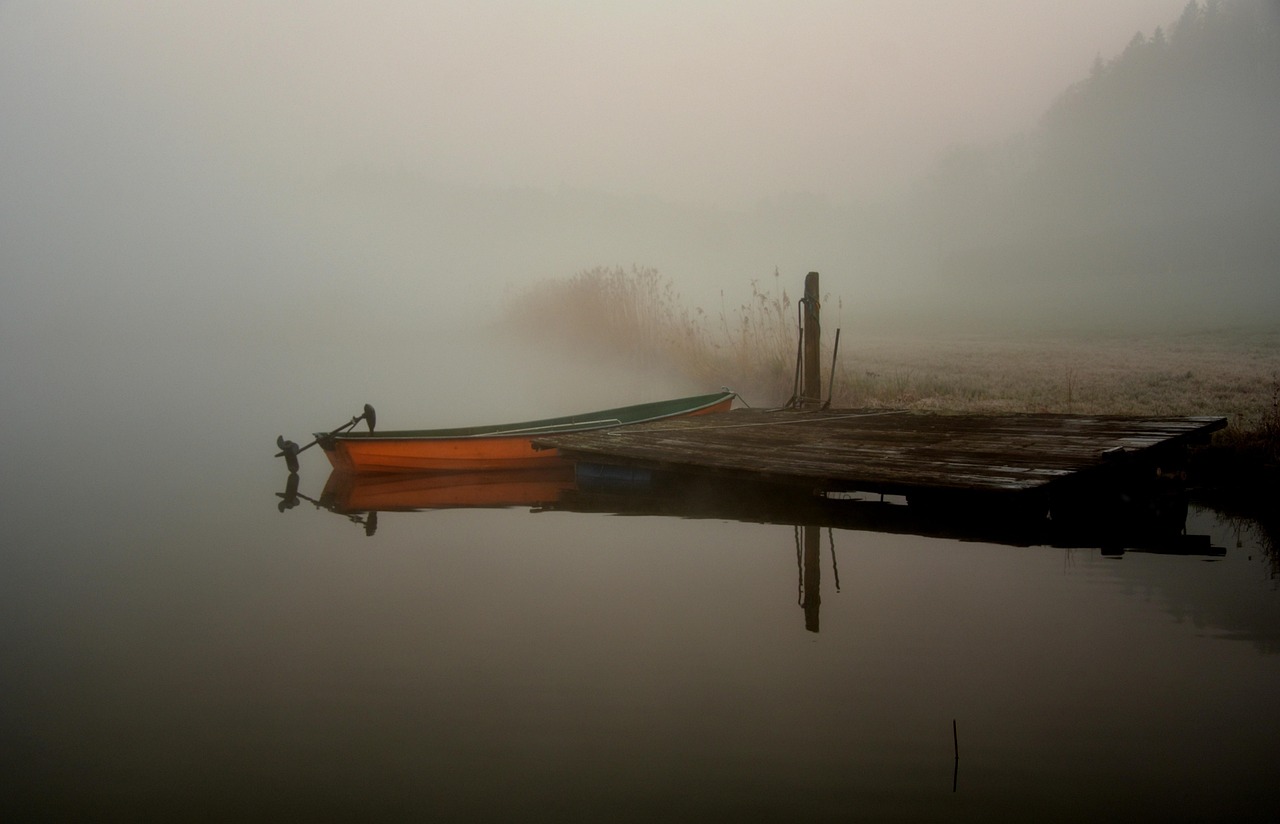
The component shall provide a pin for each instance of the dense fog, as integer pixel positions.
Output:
(288, 176)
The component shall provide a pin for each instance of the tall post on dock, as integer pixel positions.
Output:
(811, 385)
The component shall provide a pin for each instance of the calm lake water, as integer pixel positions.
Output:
(176, 647)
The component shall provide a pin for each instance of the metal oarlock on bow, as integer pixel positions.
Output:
(289, 450)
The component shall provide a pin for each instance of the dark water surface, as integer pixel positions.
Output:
(175, 647)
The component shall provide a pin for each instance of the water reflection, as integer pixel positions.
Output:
(562, 487)
(291, 498)
(811, 577)
(1253, 517)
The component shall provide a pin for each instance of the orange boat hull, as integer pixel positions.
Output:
(457, 454)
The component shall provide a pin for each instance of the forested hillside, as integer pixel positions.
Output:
(1151, 188)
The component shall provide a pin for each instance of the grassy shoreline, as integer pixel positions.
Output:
(636, 319)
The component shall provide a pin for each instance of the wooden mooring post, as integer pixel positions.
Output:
(811, 337)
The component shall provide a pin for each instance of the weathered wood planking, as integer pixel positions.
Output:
(887, 451)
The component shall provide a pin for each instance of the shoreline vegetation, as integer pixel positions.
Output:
(634, 317)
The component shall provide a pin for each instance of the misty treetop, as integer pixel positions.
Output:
(1163, 164)
(1181, 115)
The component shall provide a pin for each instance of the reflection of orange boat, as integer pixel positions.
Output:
(504, 446)
(345, 492)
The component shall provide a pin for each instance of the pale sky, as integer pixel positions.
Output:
(713, 102)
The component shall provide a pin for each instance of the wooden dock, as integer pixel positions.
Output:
(897, 452)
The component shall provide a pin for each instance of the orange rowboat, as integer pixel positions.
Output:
(503, 446)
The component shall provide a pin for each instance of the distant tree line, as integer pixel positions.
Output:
(1162, 167)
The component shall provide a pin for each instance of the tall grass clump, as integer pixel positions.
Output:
(635, 318)
(1247, 453)
(632, 314)
(758, 341)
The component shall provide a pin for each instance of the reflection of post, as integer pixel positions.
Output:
(812, 578)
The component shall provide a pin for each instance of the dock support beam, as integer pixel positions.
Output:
(811, 333)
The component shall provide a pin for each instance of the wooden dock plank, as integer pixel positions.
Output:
(879, 450)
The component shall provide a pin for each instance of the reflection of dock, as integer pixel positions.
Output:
(1160, 530)
(919, 455)
(605, 490)
(608, 490)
